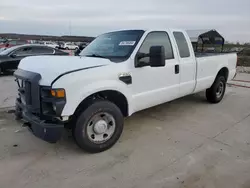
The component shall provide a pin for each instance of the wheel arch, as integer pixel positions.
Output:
(114, 96)
(223, 72)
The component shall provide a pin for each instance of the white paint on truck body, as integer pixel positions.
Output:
(150, 85)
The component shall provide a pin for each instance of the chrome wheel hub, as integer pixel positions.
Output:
(220, 90)
(100, 127)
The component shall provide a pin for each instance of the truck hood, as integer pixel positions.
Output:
(50, 67)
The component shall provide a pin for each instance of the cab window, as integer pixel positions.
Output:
(182, 44)
(156, 39)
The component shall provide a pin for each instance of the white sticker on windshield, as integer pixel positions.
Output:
(127, 43)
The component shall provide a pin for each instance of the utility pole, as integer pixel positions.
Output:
(70, 28)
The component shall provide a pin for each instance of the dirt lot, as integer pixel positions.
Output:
(8, 90)
(186, 143)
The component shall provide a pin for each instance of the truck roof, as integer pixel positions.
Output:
(150, 29)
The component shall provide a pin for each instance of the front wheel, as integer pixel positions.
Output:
(216, 92)
(98, 127)
(2, 70)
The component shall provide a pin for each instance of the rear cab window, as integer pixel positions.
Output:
(182, 44)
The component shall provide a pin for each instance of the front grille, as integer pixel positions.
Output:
(36, 99)
(28, 90)
(28, 95)
(24, 88)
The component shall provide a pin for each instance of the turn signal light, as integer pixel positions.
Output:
(59, 93)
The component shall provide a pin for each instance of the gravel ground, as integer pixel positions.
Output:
(184, 143)
(243, 69)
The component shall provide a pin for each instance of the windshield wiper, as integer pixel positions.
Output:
(96, 55)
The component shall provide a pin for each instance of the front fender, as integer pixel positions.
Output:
(75, 94)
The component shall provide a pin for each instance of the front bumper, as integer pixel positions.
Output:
(50, 132)
(35, 106)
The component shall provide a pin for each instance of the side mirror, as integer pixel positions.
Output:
(138, 62)
(157, 56)
(13, 55)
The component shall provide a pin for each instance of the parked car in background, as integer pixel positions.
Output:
(70, 46)
(10, 58)
(3, 40)
(51, 44)
(60, 45)
(11, 43)
(81, 47)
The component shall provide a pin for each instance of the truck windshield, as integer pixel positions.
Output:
(119, 44)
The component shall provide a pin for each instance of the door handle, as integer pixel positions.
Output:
(177, 69)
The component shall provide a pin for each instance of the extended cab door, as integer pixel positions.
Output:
(187, 63)
(155, 85)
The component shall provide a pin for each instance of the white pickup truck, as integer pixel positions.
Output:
(116, 75)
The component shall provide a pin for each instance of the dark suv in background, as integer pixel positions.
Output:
(10, 58)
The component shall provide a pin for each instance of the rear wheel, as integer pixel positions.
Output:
(216, 92)
(98, 127)
(66, 48)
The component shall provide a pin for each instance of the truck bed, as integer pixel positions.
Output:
(209, 64)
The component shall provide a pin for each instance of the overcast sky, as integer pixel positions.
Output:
(92, 17)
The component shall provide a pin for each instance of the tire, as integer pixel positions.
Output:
(66, 48)
(76, 48)
(216, 92)
(18, 111)
(2, 71)
(88, 120)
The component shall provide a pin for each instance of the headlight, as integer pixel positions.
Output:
(58, 93)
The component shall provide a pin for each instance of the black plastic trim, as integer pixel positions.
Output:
(68, 72)
(177, 69)
(31, 90)
(126, 79)
(50, 100)
(59, 106)
(50, 132)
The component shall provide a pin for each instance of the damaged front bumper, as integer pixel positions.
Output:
(39, 110)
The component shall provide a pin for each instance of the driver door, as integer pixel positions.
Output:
(155, 85)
